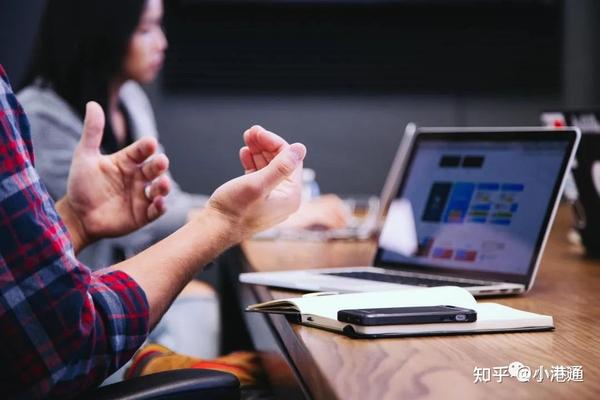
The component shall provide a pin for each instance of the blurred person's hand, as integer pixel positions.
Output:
(270, 189)
(323, 213)
(111, 195)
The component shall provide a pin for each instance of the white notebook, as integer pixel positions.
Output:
(321, 311)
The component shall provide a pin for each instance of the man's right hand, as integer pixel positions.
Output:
(269, 191)
(264, 196)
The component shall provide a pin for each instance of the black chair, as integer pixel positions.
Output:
(182, 384)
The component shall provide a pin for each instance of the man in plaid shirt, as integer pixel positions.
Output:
(63, 328)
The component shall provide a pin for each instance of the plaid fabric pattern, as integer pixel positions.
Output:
(63, 329)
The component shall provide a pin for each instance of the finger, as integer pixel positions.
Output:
(269, 141)
(160, 187)
(157, 208)
(330, 221)
(253, 147)
(282, 166)
(268, 156)
(263, 145)
(246, 160)
(340, 220)
(93, 127)
(259, 160)
(258, 139)
(339, 214)
(139, 151)
(155, 167)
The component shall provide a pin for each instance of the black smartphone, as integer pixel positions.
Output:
(407, 315)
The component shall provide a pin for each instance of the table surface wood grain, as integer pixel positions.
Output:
(334, 366)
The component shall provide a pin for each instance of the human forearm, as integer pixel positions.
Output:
(166, 267)
(79, 237)
(264, 196)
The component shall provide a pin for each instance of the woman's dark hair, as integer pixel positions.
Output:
(80, 49)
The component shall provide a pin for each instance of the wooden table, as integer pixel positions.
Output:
(312, 363)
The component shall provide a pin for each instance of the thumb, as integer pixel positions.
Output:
(282, 166)
(93, 126)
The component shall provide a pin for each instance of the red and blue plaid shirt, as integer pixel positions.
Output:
(63, 329)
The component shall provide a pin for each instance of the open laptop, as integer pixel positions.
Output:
(483, 201)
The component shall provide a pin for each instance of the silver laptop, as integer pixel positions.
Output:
(482, 201)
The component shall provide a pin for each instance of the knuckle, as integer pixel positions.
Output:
(253, 128)
(285, 166)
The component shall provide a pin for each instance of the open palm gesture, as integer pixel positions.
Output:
(115, 194)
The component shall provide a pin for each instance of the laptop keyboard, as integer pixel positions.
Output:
(404, 280)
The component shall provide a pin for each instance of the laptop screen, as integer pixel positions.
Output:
(481, 202)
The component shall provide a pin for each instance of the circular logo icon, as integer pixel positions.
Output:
(514, 367)
(524, 374)
(519, 371)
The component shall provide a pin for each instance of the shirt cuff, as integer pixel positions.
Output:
(126, 311)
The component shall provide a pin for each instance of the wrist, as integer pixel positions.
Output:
(75, 226)
(223, 225)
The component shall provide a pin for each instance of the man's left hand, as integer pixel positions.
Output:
(112, 195)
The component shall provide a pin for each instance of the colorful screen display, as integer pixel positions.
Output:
(479, 205)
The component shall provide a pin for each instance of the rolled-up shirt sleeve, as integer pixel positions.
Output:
(63, 329)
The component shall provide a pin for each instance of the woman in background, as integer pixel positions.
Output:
(103, 50)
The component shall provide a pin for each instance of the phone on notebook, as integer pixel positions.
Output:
(407, 315)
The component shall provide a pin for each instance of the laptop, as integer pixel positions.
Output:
(582, 188)
(482, 202)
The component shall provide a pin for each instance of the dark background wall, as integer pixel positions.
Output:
(18, 25)
(345, 77)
